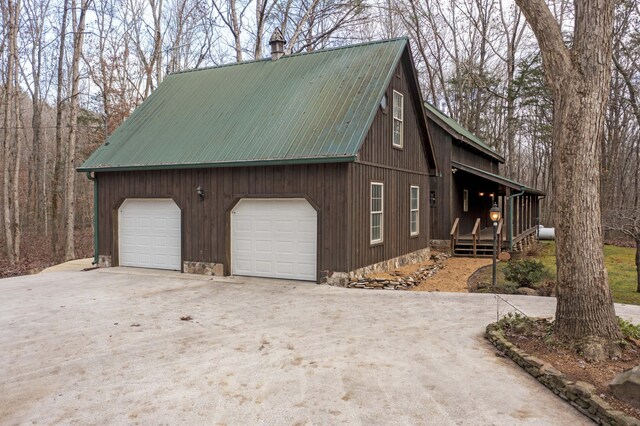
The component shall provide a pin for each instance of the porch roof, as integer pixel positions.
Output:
(496, 178)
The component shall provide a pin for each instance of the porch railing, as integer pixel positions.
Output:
(474, 235)
(454, 234)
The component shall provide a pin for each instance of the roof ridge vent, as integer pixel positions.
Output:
(277, 43)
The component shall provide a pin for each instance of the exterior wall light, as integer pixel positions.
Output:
(495, 213)
(200, 191)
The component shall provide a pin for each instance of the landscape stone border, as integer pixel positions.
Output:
(581, 395)
(399, 281)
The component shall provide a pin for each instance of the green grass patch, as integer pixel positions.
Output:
(621, 266)
(620, 263)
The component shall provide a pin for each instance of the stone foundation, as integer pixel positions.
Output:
(342, 279)
(104, 261)
(203, 268)
(443, 246)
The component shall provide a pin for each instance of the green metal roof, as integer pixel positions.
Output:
(459, 132)
(313, 107)
(496, 178)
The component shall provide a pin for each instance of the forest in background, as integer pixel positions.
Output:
(73, 70)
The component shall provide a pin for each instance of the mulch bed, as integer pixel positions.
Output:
(35, 253)
(574, 366)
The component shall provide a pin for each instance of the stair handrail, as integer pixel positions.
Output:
(474, 235)
(454, 234)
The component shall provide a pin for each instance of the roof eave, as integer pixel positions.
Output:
(421, 107)
(463, 138)
(496, 178)
(274, 162)
(493, 154)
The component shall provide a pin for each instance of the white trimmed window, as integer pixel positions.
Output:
(415, 210)
(398, 117)
(465, 200)
(377, 212)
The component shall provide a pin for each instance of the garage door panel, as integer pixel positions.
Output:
(263, 247)
(307, 268)
(243, 245)
(243, 225)
(283, 238)
(263, 267)
(243, 266)
(307, 226)
(283, 226)
(150, 234)
(285, 268)
(306, 248)
(262, 225)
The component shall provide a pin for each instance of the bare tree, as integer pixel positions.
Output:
(232, 15)
(11, 148)
(35, 15)
(56, 189)
(78, 18)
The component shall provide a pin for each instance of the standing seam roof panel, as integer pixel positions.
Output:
(301, 107)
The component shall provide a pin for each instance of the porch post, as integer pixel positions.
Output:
(526, 214)
(523, 222)
(522, 213)
(507, 215)
(518, 214)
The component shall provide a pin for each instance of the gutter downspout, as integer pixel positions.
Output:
(511, 216)
(95, 217)
(540, 198)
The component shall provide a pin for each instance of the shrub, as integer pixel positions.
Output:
(629, 329)
(525, 272)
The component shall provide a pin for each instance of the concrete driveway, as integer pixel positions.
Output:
(108, 347)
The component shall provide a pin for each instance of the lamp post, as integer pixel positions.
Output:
(495, 214)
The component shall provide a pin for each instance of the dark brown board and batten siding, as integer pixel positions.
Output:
(449, 187)
(440, 215)
(204, 222)
(463, 153)
(398, 169)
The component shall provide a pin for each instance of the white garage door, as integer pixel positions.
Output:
(274, 238)
(149, 233)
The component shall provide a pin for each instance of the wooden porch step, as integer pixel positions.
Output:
(470, 244)
(470, 253)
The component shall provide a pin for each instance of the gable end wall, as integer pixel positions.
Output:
(398, 169)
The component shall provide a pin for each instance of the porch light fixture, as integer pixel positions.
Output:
(200, 191)
(481, 194)
(495, 214)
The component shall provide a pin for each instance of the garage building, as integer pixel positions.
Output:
(310, 166)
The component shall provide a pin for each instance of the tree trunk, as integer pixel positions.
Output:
(579, 80)
(56, 190)
(638, 263)
(78, 38)
(15, 191)
(585, 308)
(9, 154)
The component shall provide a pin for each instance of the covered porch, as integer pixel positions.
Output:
(472, 230)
